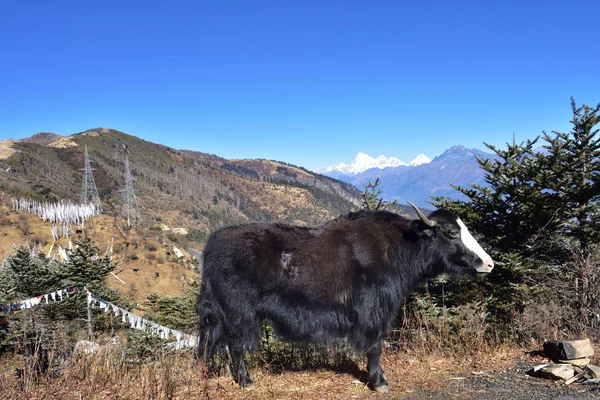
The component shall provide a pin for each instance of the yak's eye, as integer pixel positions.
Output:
(454, 233)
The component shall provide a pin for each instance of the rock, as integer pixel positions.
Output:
(568, 349)
(180, 231)
(554, 371)
(178, 253)
(110, 354)
(594, 381)
(580, 362)
(575, 378)
(594, 371)
(536, 369)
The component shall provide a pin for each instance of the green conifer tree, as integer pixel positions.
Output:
(25, 274)
(371, 199)
(537, 206)
(572, 169)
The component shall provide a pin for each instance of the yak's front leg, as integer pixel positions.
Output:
(238, 369)
(377, 380)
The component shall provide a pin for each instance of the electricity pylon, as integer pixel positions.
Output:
(89, 192)
(130, 204)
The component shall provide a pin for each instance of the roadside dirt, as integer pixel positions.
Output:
(512, 383)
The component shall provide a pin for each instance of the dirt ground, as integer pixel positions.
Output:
(503, 377)
(512, 383)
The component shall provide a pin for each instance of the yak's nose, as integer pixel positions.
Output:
(487, 266)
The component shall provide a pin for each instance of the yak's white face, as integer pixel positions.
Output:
(487, 264)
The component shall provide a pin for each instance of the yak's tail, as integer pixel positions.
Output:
(210, 324)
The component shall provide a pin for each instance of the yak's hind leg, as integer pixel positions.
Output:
(377, 380)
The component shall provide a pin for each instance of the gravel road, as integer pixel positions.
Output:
(511, 384)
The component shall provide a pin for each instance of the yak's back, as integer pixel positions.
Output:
(325, 262)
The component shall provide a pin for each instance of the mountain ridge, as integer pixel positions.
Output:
(455, 166)
(363, 162)
(245, 190)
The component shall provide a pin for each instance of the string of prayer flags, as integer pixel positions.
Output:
(26, 304)
(182, 340)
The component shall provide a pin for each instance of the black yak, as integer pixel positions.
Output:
(343, 281)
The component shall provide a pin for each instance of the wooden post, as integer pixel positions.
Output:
(90, 326)
(112, 326)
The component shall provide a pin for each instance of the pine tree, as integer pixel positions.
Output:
(177, 312)
(25, 274)
(533, 197)
(85, 266)
(371, 200)
(573, 160)
(537, 207)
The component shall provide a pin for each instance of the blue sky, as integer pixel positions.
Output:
(308, 82)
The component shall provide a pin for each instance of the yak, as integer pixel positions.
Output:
(344, 281)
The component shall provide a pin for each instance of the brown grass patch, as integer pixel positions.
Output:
(6, 149)
(63, 143)
(179, 375)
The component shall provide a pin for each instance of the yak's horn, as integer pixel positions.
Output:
(425, 220)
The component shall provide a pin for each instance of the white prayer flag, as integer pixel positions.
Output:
(177, 334)
(132, 320)
(166, 332)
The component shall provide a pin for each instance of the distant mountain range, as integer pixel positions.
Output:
(363, 162)
(418, 180)
(203, 191)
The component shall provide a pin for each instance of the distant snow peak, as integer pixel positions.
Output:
(363, 162)
(420, 159)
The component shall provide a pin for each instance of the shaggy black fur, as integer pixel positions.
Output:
(345, 280)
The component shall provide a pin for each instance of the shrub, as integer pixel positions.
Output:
(151, 246)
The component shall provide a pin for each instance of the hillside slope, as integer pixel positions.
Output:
(183, 195)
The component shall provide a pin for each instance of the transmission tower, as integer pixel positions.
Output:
(89, 192)
(130, 204)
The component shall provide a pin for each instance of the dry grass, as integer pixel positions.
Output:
(6, 149)
(179, 375)
(63, 142)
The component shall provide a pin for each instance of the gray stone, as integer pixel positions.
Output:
(594, 381)
(594, 371)
(580, 362)
(568, 349)
(554, 371)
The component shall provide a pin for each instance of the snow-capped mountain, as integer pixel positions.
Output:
(422, 177)
(363, 162)
(419, 160)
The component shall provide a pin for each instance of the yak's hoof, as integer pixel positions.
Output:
(247, 384)
(381, 389)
